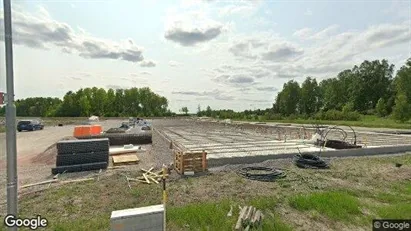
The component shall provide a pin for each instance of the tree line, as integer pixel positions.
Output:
(370, 88)
(96, 101)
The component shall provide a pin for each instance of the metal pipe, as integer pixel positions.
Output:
(10, 116)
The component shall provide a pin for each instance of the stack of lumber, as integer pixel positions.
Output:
(149, 176)
(249, 218)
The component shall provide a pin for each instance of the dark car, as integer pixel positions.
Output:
(29, 125)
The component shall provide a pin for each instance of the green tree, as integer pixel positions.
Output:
(310, 96)
(381, 108)
(403, 80)
(199, 110)
(184, 110)
(288, 99)
(208, 111)
(371, 83)
(85, 106)
(402, 109)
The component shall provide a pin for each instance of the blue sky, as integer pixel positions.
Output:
(226, 54)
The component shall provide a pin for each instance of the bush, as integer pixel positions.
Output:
(349, 107)
(274, 116)
(381, 108)
(402, 109)
(338, 115)
(292, 117)
(352, 116)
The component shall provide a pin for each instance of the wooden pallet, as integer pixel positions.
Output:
(190, 162)
(125, 159)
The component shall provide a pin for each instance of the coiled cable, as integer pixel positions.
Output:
(309, 161)
(261, 173)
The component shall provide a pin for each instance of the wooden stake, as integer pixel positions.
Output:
(39, 183)
(145, 177)
(76, 180)
(151, 178)
(128, 182)
(98, 176)
(257, 217)
(239, 224)
(248, 215)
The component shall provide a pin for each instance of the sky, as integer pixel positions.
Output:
(225, 54)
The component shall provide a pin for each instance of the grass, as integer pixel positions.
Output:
(202, 203)
(366, 121)
(335, 205)
(395, 211)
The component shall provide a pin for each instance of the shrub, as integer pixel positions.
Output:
(402, 109)
(349, 107)
(338, 115)
(381, 108)
(274, 116)
(292, 117)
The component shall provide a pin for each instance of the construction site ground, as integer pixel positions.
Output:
(361, 188)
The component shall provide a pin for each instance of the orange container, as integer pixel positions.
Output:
(96, 130)
(82, 131)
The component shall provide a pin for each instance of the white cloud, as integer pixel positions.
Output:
(148, 63)
(145, 73)
(243, 10)
(303, 33)
(308, 33)
(42, 32)
(215, 94)
(191, 28)
(173, 63)
(265, 46)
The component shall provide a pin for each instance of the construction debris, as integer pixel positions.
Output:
(249, 218)
(149, 176)
(230, 213)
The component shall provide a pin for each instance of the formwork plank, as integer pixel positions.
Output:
(125, 159)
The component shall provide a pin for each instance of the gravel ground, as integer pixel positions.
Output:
(36, 166)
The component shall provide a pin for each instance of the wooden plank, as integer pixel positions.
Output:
(239, 224)
(39, 183)
(115, 167)
(76, 180)
(248, 215)
(125, 159)
(204, 161)
(152, 178)
(145, 177)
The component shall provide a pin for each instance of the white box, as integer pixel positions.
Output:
(150, 218)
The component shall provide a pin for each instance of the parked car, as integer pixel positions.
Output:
(29, 125)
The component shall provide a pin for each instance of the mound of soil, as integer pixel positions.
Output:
(48, 157)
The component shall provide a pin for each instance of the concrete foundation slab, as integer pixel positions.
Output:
(232, 145)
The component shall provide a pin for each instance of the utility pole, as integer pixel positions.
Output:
(10, 117)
